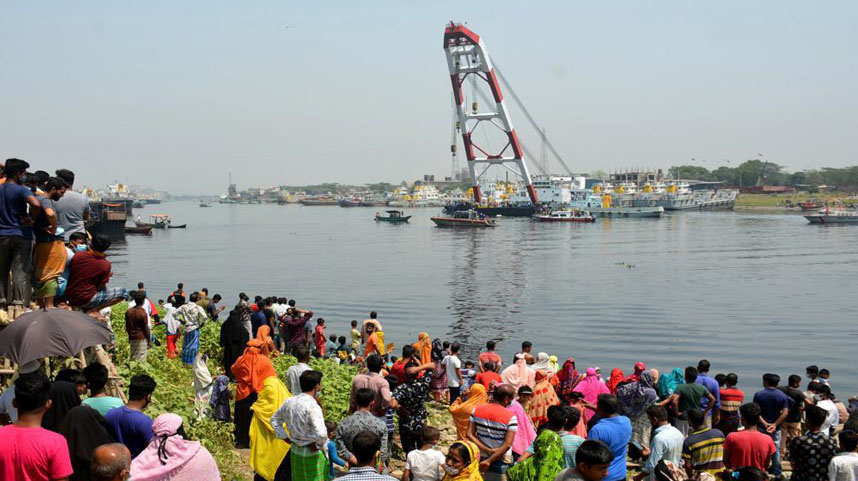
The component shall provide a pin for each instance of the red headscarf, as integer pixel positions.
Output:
(639, 368)
(251, 369)
(568, 378)
(615, 380)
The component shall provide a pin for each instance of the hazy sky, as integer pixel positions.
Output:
(174, 95)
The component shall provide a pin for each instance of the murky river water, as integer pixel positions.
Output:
(751, 292)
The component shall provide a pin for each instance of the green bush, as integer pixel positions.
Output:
(175, 392)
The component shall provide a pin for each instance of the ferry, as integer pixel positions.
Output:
(419, 196)
(566, 216)
(837, 216)
(469, 219)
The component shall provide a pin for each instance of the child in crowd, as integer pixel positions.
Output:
(591, 463)
(343, 350)
(331, 346)
(319, 338)
(823, 376)
(844, 465)
(469, 375)
(333, 456)
(392, 381)
(355, 334)
(425, 464)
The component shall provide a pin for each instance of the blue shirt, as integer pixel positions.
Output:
(616, 432)
(130, 427)
(667, 445)
(711, 385)
(13, 206)
(772, 401)
(257, 319)
(334, 457)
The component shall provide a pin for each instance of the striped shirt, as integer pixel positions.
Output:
(705, 450)
(492, 422)
(731, 399)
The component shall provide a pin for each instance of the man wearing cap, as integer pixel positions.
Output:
(6, 406)
(19, 208)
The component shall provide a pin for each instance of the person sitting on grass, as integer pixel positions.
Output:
(89, 273)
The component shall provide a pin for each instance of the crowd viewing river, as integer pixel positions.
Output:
(751, 292)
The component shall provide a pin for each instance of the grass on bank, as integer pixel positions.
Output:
(175, 391)
(780, 200)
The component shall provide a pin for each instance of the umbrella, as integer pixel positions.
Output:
(52, 332)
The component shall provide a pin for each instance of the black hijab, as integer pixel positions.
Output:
(233, 339)
(64, 397)
(83, 428)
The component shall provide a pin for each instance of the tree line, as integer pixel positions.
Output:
(758, 172)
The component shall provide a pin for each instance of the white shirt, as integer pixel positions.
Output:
(843, 467)
(425, 465)
(451, 363)
(666, 445)
(6, 403)
(293, 377)
(170, 320)
(303, 417)
(833, 418)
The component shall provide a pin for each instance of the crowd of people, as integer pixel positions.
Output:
(46, 255)
(528, 419)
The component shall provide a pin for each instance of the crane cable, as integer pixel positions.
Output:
(531, 120)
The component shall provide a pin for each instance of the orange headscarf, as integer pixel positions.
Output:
(263, 335)
(544, 397)
(251, 369)
(461, 410)
(423, 346)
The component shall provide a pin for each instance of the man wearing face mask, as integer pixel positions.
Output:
(302, 416)
(127, 424)
(19, 208)
(49, 255)
(77, 244)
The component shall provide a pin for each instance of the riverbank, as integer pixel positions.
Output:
(783, 201)
(175, 393)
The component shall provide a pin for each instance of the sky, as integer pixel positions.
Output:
(176, 95)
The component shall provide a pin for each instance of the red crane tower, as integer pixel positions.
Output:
(467, 56)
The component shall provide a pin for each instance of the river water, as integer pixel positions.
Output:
(751, 292)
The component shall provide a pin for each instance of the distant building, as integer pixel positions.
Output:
(637, 178)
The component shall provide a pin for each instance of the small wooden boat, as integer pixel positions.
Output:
(177, 226)
(470, 218)
(147, 229)
(143, 224)
(810, 205)
(394, 216)
(160, 221)
(566, 216)
(205, 204)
